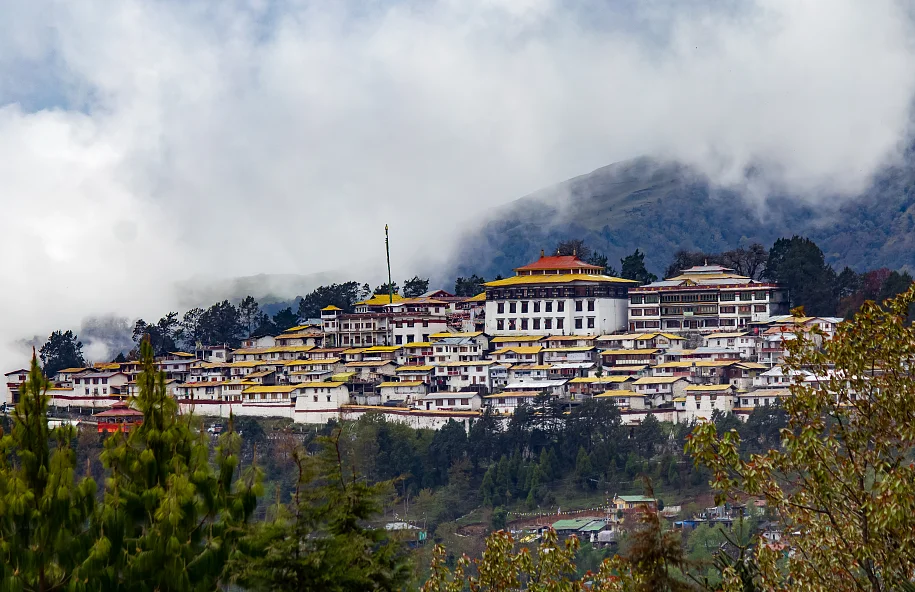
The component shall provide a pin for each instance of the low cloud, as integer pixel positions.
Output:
(145, 143)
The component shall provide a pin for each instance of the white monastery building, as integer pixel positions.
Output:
(559, 295)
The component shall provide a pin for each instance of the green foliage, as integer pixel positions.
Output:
(43, 508)
(799, 264)
(322, 539)
(468, 286)
(415, 286)
(169, 520)
(386, 288)
(249, 315)
(62, 350)
(344, 296)
(285, 319)
(843, 479)
(163, 335)
(632, 267)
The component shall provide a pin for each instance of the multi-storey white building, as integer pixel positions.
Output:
(707, 299)
(559, 295)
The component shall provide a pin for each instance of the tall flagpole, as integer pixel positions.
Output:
(387, 249)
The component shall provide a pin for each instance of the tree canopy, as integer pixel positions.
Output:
(62, 350)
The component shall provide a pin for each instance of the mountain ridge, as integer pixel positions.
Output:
(661, 207)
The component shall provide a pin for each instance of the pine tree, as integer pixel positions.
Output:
(169, 520)
(321, 540)
(43, 510)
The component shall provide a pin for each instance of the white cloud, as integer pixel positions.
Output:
(233, 138)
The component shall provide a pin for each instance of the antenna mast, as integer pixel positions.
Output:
(387, 249)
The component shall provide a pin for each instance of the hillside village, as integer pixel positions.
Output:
(680, 348)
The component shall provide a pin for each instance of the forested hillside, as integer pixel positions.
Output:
(662, 207)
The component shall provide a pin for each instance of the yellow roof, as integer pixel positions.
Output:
(404, 383)
(524, 350)
(71, 370)
(725, 335)
(653, 335)
(752, 365)
(599, 380)
(658, 379)
(312, 362)
(679, 399)
(332, 384)
(249, 363)
(617, 393)
(301, 335)
(382, 348)
(697, 364)
(110, 366)
(708, 387)
(414, 368)
(354, 350)
(298, 328)
(276, 349)
(532, 367)
(562, 278)
(380, 300)
(277, 388)
(331, 307)
(342, 376)
(481, 297)
(419, 344)
(623, 352)
(516, 338)
(571, 338)
(181, 354)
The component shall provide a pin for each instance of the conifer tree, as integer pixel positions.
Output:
(322, 539)
(169, 519)
(43, 510)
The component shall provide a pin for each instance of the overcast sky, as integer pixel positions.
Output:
(142, 143)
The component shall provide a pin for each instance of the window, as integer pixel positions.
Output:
(536, 306)
(578, 323)
(512, 325)
(759, 308)
(524, 307)
(500, 308)
(547, 323)
(591, 305)
(500, 325)
(524, 324)
(560, 306)
(536, 324)
(559, 323)
(328, 398)
(105, 390)
(512, 307)
(315, 398)
(635, 312)
(548, 306)
(728, 310)
(398, 339)
(590, 322)
(636, 299)
(451, 401)
(579, 306)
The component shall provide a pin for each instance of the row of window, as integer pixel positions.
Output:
(698, 297)
(86, 380)
(563, 292)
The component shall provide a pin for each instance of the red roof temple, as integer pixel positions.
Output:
(121, 417)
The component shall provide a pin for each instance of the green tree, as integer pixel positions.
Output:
(469, 286)
(584, 471)
(499, 519)
(385, 289)
(249, 315)
(322, 539)
(415, 286)
(220, 324)
(62, 350)
(344, 296)
(43, 509)
(285, 319)
(843, 479)
(169, 520)
(632, 267)
(800, 265)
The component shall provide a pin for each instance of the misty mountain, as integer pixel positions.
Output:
(663, 207)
